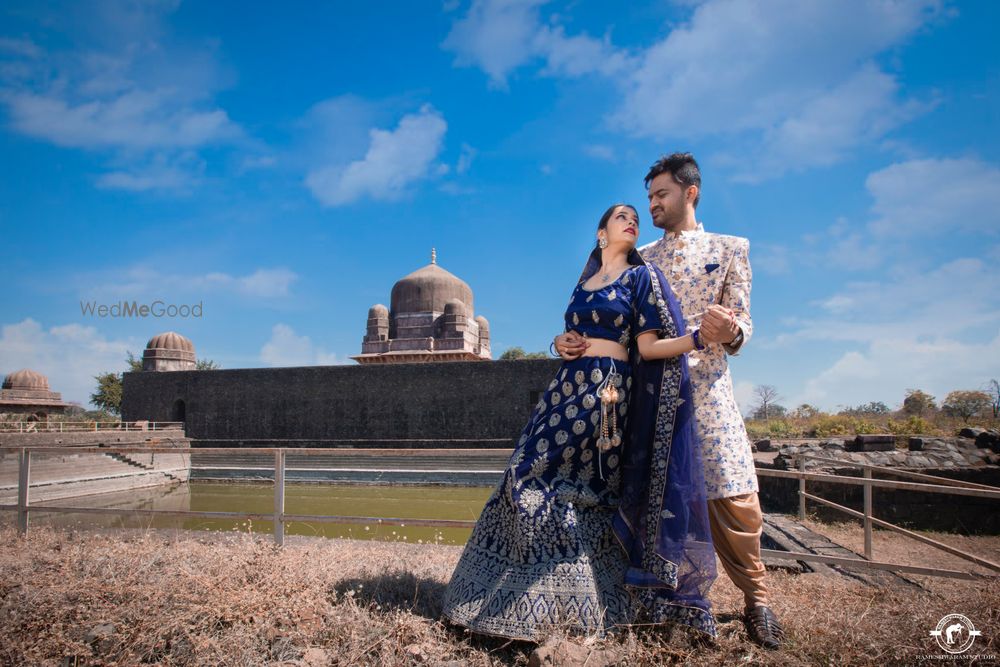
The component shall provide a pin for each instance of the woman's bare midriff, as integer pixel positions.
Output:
(601, 347)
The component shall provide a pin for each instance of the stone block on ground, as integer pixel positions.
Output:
(971, 432)
(764, 445)
(989, 440)
(872, 443)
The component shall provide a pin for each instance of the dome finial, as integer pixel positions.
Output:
(434, 256)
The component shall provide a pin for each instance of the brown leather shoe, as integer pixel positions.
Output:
(764, 628)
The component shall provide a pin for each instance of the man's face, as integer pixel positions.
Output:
(668, 202)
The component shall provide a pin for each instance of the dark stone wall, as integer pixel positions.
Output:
(909, 509)
(446, 400)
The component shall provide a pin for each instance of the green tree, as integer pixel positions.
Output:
(514, 353)
(108, 395)
(805, 411)
(772, 411)
(918, 403)
(873, 408)
(967, 404)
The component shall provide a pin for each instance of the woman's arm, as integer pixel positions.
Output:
(652, 347)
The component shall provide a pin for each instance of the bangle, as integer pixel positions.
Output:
(696, 339)
(552, 350)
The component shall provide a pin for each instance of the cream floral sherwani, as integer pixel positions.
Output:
(704, 269)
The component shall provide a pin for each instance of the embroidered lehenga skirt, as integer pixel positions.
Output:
(543, 554)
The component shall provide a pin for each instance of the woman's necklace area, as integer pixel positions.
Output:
(606, 274)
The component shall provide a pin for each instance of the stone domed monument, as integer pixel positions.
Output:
(430, 318)
(168, 351)
(27, 392)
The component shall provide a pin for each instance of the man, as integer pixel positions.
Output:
(710, 275)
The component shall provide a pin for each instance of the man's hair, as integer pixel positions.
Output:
(682, 167)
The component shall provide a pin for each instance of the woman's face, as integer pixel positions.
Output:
(622, 229)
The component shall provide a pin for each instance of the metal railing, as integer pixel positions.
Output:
(279, 517)
(927, 484)
(72, 427)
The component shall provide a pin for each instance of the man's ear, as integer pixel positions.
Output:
(691, 193)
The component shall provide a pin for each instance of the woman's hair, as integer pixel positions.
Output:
(603, 224)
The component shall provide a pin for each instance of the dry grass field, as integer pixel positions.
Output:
(179, 598)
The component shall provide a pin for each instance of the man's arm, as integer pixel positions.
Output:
(736, 295)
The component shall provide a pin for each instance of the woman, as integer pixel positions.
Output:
(574, 535)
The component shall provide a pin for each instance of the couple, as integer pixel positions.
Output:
(635, 468)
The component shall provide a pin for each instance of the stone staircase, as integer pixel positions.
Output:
(433, 466)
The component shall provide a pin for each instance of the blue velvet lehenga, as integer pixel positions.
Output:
(587, 540)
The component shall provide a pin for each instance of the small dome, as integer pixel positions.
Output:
(454, 307)
(26, 379)
(484, 325)
(378, 310)
(170, 341)
(427, 290)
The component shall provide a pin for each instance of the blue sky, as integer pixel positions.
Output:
(284, 166)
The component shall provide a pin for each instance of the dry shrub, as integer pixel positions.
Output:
(177, 598)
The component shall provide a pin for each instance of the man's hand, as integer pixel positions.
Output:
(570, 345)
(718, 325)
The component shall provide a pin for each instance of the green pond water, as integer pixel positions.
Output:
(406, 502)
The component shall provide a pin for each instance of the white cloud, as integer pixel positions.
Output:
(69, 355)
(601, 152)
(497, 36)
(952, 299)
(790, 84)
(126, 91)
(739, 65)
(936, 197)
(827, 127)
(179, 173)
(19, 47)
(285, 348)
(772, 258)
(140, 282)
(137, 120)
(743, 391)
(465, 158)
(888, 367)
(500, 36)
(395, 159)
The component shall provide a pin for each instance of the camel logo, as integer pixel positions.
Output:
(955, 633)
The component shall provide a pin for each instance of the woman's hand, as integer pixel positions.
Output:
(570, 345)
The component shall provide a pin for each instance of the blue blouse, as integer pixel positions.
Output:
(615, 311)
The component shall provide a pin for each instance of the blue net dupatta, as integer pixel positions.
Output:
(662, 521)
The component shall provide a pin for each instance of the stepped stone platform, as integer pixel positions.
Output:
(466, 467)
(69, 473)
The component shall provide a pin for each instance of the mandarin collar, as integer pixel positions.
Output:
(669, 236)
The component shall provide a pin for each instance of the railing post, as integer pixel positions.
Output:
(868, 514)
(279, 496)
(23, 479)
(802, 489)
